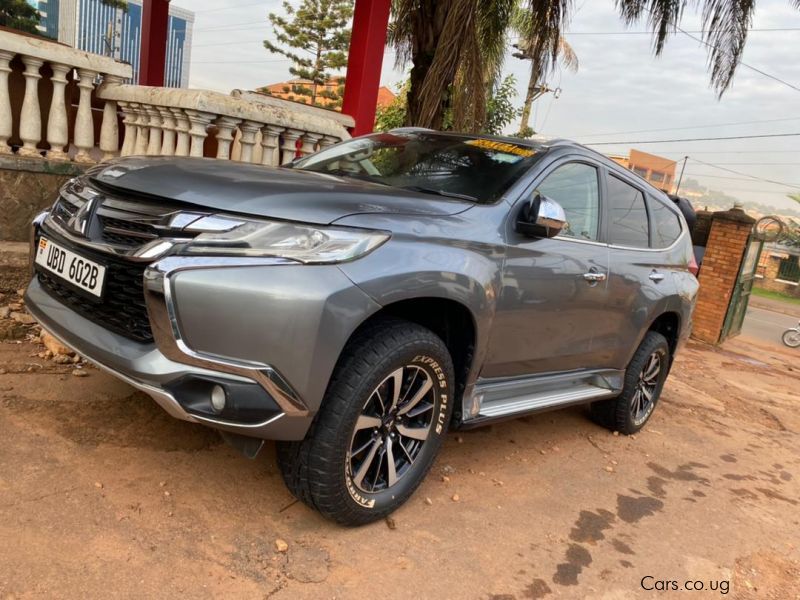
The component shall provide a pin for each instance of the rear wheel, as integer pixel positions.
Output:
(791, 338)
(380, 426)
(644, 380)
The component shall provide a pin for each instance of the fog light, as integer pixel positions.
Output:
(218, 398)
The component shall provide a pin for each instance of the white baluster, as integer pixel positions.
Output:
(270, 138)
(154, 122)
(258, 149)
(249, 129)
(310, 143)
(129, 120)
(327, 140)
(182, 129)
(84, 125)
(289, 147)
(109, 129)
(5, 101)
(30, 122)
(142, 129)
(57, 127)
(168, 135)
(225, 126)
(199, 121)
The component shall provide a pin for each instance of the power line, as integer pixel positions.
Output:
(725, 177)
(745, 174)
(571, 33)
(692, 127)
(706, 139)
(235, 7)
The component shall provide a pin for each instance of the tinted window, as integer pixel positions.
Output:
(627, 215)
(574, 187)
(665, 223)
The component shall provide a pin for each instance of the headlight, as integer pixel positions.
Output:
(303, 243)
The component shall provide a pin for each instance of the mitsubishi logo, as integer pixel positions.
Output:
(80, 219)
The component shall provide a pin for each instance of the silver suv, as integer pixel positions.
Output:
(361, 301)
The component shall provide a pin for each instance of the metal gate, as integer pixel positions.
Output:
(741, 291)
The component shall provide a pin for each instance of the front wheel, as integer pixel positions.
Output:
(791, 337)
(380, 427)
(644, 379)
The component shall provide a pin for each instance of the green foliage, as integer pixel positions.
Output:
(315, 37)
(500, 109)
(795, 197)
(19, 15)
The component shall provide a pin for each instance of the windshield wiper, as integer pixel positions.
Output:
(426, 190)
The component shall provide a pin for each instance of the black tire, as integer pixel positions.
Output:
(628, 412)
(791, 338)
(320, 469)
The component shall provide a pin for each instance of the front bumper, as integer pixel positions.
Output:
(250, 325)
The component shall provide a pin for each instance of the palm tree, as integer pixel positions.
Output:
(456, 49)
(456, 46)
(522, 23)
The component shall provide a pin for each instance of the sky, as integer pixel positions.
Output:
(621, 92)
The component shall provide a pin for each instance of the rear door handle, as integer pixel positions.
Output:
(594, 277)
(656, 276)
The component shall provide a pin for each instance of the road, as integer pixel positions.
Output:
(765, 325)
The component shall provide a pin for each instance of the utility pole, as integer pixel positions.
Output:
(678, 187)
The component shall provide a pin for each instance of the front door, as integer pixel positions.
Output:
(554, 290)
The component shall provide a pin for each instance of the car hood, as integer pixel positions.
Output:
(278, 193)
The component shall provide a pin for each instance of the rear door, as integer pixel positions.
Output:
(553, 295)
(640, 228)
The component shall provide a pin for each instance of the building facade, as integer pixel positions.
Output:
(95, 27)
(657, 170)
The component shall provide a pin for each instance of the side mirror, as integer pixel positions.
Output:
(541, 217)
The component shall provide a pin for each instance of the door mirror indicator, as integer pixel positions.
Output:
(541, 217)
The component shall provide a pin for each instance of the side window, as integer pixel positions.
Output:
(574, 187)
(665, 223)
(627, 215)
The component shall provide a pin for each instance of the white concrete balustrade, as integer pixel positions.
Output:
(246, 126)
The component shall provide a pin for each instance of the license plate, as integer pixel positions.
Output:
(74, 268)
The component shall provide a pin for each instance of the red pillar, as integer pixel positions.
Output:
(153, 57)
(370, 21)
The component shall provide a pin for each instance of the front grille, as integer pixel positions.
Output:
(122, 308)
(126, 233)
(115, 228)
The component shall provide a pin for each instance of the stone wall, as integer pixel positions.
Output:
(768, 269)
(27, 186)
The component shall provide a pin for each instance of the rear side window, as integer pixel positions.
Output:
(665, 223)
(627, 215)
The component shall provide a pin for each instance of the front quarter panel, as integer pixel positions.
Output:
(456, 258)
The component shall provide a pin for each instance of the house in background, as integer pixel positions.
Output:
(291, 90)
(656, 170)
(92, 26)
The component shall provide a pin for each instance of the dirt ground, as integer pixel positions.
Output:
(104, 495)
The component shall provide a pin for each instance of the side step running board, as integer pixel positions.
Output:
(512, 396)
(544, 400)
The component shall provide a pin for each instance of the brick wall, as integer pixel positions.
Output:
(727, 240)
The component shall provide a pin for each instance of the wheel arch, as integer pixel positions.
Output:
(451, 320)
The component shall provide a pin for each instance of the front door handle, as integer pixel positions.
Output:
(594, 277)
(656, 276)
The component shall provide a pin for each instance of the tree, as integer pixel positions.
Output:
(319, 29)
(500, 110)
(456, 50)
(440, 38)
(19, 15)
(523, 24)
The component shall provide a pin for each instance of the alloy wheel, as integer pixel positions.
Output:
(644, 395)
(392, 428)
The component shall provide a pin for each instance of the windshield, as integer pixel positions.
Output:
(459, 166)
